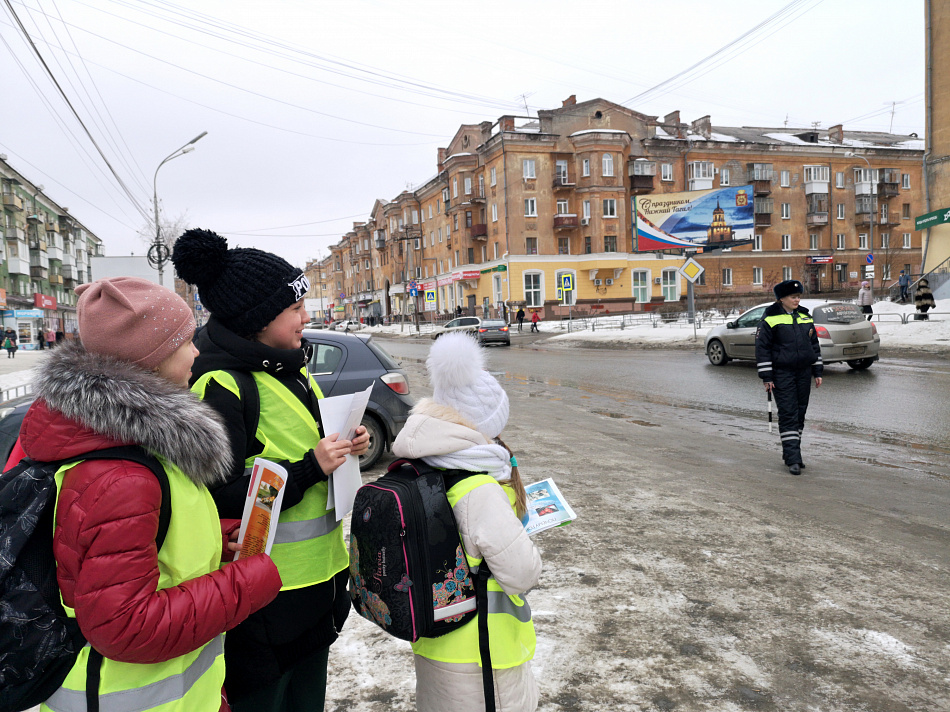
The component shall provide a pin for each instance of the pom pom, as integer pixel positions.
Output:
(200, 256)
(455, 362)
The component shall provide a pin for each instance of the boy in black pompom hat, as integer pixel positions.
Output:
(788, 354)
(253, 371)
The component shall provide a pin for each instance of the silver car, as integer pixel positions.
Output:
(465, 324)
(844, 334)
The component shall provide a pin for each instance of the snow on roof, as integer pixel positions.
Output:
(723, 137)
(661, 133)
(454, 155)
(590, 131)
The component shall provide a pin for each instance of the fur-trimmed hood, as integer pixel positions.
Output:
(88, 401)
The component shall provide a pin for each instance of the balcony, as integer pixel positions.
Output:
(56, 279)
(816, 219)
(12, 202)
(18, 265)
(52, 227)
(641, 184)
(889, 185)
(69, 273)
(479, 231)
(762, 208)
(54, 252)
(34, 219)
(38, 272)
(562, 181)
(477, 195)
(14, 233)
(38, 244)
(891, 219)
(864, 219)
(565, 222)
(763, 219)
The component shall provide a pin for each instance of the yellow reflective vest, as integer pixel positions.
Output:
(309, 547)
(510, 628)
(187, 683)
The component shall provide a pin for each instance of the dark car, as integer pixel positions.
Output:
(493, 331)
(345, 363)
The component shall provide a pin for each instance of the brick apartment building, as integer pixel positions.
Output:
(517, 203)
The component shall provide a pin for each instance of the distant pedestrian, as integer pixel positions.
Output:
(923, 300)
(458, 310)
(520, 316)
(485, 309)
(903, 282)
(866, 299)
(50, 337)
(788, 356)
(535, 318)
(10, 342)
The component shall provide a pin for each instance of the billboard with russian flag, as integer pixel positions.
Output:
(707, 219)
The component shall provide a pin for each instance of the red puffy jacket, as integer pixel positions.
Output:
(107, 520)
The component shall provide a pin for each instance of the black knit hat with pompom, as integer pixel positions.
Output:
(246, 289)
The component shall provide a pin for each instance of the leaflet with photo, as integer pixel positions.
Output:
(262, 508)
(546, 507)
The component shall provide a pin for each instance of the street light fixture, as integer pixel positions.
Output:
(158, 253)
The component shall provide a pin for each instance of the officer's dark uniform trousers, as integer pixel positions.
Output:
(791, 392)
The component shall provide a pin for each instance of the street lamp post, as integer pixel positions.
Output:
(158, 253)
(852, 154)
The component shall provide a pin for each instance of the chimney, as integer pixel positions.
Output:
(485, 128)
(703, 126)
(836, 134)
(672, 118)
(570, 101)
(442, 157)
(507, 123)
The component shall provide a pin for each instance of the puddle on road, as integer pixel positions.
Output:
(621, 416)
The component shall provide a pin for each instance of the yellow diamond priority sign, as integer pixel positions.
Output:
(691, 270)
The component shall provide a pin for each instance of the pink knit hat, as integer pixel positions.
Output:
(132, 319)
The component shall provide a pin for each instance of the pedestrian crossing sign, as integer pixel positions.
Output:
(430, 296)
(560, 294)
(567, 282)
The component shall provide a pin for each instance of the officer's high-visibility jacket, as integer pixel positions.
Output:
(510, 628)
(189, 682)
(309, 546)
(786, 341)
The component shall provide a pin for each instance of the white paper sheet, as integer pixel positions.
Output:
(343, 414)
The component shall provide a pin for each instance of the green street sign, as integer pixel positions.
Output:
(937, 217)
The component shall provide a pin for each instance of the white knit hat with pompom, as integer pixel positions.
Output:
(459, 380)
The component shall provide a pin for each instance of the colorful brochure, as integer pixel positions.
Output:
(546, 507)
(262, 508)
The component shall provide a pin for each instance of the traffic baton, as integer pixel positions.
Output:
(770, 410)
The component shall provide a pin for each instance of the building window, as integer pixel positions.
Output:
(493, 178)
(610, 243)
(817, 173)
(440, 234)
(840, 240)
(610, 208)
(863, 241)
(455, 187)
(527, 168)
(786, 273)
(531, 245)
(568, 297)
(905, 181)
(884, 213)
(456, 258)
(608, 165)
(494, 212)
(839, 179)
(455, 222)
(467, 186)
(906, 240)
(887, 273)
(562, 208)
(531, 208)
(669, 283)
(438, 207)
(666, 171)
(724, 176)
(757, 276)
(532, 289)
(587, 247)
(641, 286)
(563, 246)
(586, 209)
(905, 211)
(786, 211)
(585, 167)
(727, 277)
(885, 240)
(840, 215)
(430, 211)
(756, 243)
(786, 243)
(495, 246)
(785, 179)
(813, 241)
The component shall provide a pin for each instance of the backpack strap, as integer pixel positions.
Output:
(250, 405)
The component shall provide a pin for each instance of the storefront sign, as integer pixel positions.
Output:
(821, 260)
(937, 217)
(44, 302)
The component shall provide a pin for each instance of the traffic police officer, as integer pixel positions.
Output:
(788, 355)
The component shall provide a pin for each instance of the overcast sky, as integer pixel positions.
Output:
(314, 109)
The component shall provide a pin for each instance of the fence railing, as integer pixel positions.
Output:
(8, 394)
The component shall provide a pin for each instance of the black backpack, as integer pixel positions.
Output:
(38, 642)
(408, 571)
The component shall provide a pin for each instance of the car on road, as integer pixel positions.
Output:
(844, 334)
(493, 331)
(344, 363)
(346, 325)
(465, 324)
(340, 363)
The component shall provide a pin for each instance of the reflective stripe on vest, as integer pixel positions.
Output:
(189, 682)
(172, 689)
(308, 547)
(777, 319)
(511, 633)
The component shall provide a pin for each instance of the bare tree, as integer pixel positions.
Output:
(171, 229)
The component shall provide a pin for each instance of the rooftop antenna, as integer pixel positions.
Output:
(893, 104)
(786, 120)
(524, 99)
(815, 124)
